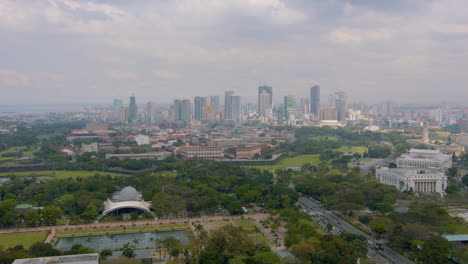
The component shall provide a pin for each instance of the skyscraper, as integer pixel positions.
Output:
(199, 106)
(315, 102)
(264, 104)
(182, 110)
(150, 112)
(215, 102)
(269, 91)
(116, 108)
(289, 107)
(340, 103)
(232, 106)
(132, 110)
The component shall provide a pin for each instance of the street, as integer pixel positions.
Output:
(323, 215)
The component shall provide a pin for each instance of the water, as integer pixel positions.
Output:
(117, 241)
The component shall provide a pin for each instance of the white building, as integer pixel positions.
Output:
(420, 180)
(92, 147)
(142, 140)
(201, 152)
(424, 158)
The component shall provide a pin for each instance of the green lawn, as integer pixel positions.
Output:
(291, 162)
(244, 223)
(359, 150)
(62, 174)
(26, 239)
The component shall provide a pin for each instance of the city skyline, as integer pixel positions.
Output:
(85, 52)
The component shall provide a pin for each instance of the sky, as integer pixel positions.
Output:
(73, 51)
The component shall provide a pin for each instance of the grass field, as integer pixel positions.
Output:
(62, 174)
(244, 223)
(25, 239)
(359, 150)
(291, 162)
(212, 225)
(28, 153)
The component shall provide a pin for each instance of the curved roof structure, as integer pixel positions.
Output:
(127, 198)
(127, 194)
(114, 206)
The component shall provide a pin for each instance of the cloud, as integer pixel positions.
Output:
(11, 78)
(166, 74)
(121, 75)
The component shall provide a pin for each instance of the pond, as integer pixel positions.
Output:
(115, 241)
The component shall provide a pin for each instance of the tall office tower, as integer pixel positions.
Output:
(150, 112)
(232, 106)
(340, 104)
(328, 113)
(269, 91)
(132, 110)
(289, 107)
(199, 106)
(264, 104)
(116, 108)
(315, 102)
(387, 108)
(123, 114)
(182, 110)
(214, 100)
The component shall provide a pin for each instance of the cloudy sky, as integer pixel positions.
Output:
(73, 51)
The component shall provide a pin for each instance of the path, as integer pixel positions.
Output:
(131, 223)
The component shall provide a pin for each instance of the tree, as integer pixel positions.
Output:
(51, 214)
(384, 207)
(435, 250)
(465, 180)
(32, 217)
(40, 249)
(105, 253)
(127, 251)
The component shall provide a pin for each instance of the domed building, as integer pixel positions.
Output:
(127, 198)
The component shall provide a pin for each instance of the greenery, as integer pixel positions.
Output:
(25, 239)
(296, 161)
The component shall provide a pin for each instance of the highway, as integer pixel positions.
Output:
(322, 216)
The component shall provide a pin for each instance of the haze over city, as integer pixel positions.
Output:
(67, 51)
(234, 131)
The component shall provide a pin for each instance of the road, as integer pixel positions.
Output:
(339, 224)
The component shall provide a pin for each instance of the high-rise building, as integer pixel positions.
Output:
(200, 104)
(289, 107)
(132, 110)
(340, 104)
(182, 110)
(315, 102)
(264, 104)
(150, 112)
(269, 91)
(215, 102)
(232, 106)
(387, 108)
(116, 108)
(328, 113)
(123, 114)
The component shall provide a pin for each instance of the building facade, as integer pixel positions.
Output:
(419, 180)
(232, 106)
(424, 158)
(132, 110)
(328, 113)
(315, 102)
(340, 104)
(248, 152)
(201, 152)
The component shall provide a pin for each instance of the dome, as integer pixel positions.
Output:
(127, 194)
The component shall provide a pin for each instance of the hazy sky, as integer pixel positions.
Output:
(64, 51)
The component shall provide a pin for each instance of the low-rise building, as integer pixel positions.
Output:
(248, 152)
(201, 152)
(158, 156)
(142, 140)
(91, 147)
(419, 180)
(424, 158)
(225, 142)
(92, 258)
